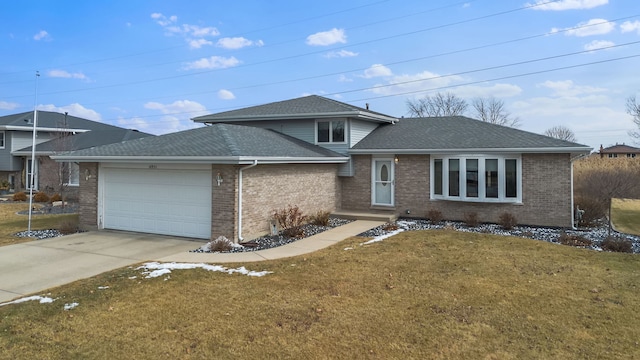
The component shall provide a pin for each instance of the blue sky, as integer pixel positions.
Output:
(152, 65)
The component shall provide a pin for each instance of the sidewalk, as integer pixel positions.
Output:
(300, 247)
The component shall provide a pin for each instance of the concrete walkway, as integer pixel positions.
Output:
(36, 266)
(300, 247)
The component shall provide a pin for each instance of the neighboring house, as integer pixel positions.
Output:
(321, 154)
(619, 151)
(55, 133)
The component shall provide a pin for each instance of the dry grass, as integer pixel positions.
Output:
(625, 215)
(11, 222)
(427, 294)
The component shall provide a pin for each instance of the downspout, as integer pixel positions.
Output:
(573, 214)
(255, 162)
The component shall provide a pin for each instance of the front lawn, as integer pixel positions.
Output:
(417, 295)
(625, 215)
(11, 222)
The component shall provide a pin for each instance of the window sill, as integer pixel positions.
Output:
(480, 201)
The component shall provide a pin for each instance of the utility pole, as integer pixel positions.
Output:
(32, 182)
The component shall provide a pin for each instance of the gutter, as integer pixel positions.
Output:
(255, 162)
(544, 150)
(234, 160)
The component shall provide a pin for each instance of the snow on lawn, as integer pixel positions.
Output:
(155, 269)
(402, 226)
(41, 299)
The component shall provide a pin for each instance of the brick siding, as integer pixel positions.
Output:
(546, 191)
(88, 196)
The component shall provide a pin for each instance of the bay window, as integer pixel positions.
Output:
(477, 178)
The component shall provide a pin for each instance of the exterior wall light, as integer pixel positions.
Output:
(219, 179)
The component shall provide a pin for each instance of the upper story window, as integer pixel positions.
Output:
(486, 178)
(631, 155)
(332, 131)
(1, 139)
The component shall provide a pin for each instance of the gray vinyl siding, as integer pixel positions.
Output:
(299, 129)
(360, 129)
(24, 139)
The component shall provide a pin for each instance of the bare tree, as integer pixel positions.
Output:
(493, 111)
(561, 132)
(440, 104)
(633, 109)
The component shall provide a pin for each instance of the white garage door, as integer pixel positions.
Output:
(168, 202)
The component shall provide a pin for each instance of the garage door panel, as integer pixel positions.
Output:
(169, 202)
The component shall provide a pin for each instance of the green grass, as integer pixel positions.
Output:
(417, 295)
(625, 215)
(12, 223)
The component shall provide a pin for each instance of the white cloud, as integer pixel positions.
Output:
(340, 54)
(74, 109)
(179, 106)
(598, 44)
(499, 91)
(567, 4)
(344, 78)
(567, 88)
(406, 83)
(629, 26)
(226, 95)
(65, 74)
(377, 70)
(4, 105)
(213, 62)
(198, 43)
(194, 35)
(42, 35)
(237, 43)
(177, 117)
(325, 38)
(589, 28)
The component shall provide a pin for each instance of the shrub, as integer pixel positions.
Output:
(435, 216)
(55, 197)
(220, 244)
(41, 197)
(617, 244)
(290, 220)
(20, 196)
(320, 218)
(573, 240)
(471, 219)
(594, 210)
(507, 220)
(69, 227)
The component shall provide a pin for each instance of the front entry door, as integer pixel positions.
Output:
(383, 182)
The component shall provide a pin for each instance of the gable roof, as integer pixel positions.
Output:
(458, 134)
(620, 149)
(308, 107)
(85, 140)
(218, 143)
(51, 121)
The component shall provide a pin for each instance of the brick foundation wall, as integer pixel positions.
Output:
(546, 193)
(311, 187)
(88, 196)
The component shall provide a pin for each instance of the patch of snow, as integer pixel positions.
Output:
(156, 269)
(348, 248)
(70, 306)
(41, 299)
(103, 287)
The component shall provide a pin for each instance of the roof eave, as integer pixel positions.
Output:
(200, 159)
(38, 128)
(546, 150)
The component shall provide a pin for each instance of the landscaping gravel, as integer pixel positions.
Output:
(595, 234)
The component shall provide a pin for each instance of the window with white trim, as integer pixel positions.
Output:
(73, 174)
(332, 131)
(477, 178)
(1, 139)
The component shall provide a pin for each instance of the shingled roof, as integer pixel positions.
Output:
(458, 133)
(312, 106)
(222, 143)
(51, 120)
(85, 140)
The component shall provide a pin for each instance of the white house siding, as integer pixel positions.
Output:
(359, 130)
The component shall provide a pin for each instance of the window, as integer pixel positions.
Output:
(613, 155)
(331, 131)
(74, 174)
(1, 139)
(631, 155)
(478, 178)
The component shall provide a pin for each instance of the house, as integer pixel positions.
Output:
(619, 151)
(321, 154)
(56, 133)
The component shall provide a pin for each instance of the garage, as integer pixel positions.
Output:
(157, 200)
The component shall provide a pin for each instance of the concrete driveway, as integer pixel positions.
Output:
(39, 265)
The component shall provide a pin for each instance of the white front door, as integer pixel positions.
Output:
(383, 182)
